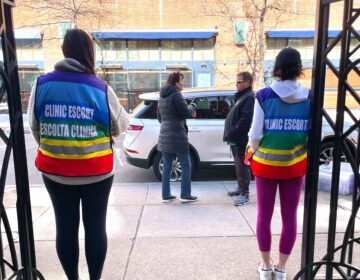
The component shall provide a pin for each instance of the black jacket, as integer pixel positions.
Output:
(172, 114)
(238, 120)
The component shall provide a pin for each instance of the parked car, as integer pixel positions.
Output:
(207, 148)
(205, 132)
(327, 141)
(5, 123)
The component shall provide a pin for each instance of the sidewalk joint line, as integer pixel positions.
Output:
(136, 234)
(246, 220)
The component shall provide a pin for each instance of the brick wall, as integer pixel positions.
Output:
(185, 14)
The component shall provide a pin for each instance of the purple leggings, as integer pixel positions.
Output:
(290, 191)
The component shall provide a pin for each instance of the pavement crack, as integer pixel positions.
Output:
(246, 220)
(136, 234)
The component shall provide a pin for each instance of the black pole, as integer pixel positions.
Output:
(340, 106)
(23, 206)
(312, 175)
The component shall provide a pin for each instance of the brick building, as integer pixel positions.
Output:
(138, 42)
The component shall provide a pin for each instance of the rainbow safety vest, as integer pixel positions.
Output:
(74, 118)
(282, 151)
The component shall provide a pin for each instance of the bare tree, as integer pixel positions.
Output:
(86, 14)
(258, 15)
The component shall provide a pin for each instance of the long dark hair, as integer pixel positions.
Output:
(174, 78)
(288, 64)
(78, 45)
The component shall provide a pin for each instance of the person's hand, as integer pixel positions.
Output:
(248, 155)
(192, 103)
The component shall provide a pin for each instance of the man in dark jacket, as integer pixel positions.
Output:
(236, 130)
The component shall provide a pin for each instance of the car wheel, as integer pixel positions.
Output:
(175, 174)
(327, 153)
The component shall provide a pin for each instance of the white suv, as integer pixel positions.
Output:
(205, 133)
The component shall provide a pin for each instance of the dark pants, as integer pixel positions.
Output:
(243, 173)
(66, 202)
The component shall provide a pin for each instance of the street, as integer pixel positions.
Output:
(127, 173)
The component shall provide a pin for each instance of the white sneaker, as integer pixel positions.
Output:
(278, 274)
(265, 274)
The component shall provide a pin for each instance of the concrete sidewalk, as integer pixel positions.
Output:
(149, 240)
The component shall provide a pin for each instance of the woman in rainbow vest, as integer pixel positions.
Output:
(72, 116)
(278, 138)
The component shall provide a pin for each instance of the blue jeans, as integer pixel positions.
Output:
(185, 163)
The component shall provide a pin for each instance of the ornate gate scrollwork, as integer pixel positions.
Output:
(338, 261)
(15, 142)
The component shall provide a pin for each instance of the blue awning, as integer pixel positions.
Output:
(153, 35)
(298, 33)
(28, 34)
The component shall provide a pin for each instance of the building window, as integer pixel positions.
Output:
(155, 50)
(143, 50)
(204, 49)
(110, 50)
(141, 81)
(27, 77)
(307, 49)
(29, 50)
(144, 80)
(305, 46)
(176, 50)
(133, 66)
(295, 43)
(273, 46)
(117, 79)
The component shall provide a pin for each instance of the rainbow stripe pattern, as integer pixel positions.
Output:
(74, 118)
(282, 152)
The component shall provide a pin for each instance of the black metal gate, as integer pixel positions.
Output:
(10, 90)
(338, 260)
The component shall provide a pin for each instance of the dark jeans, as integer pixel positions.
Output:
(185, 163)
(243, 173)
(66, 202)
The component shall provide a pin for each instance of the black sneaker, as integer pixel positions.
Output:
(189, 199)
(168, 199)
(232, 193)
